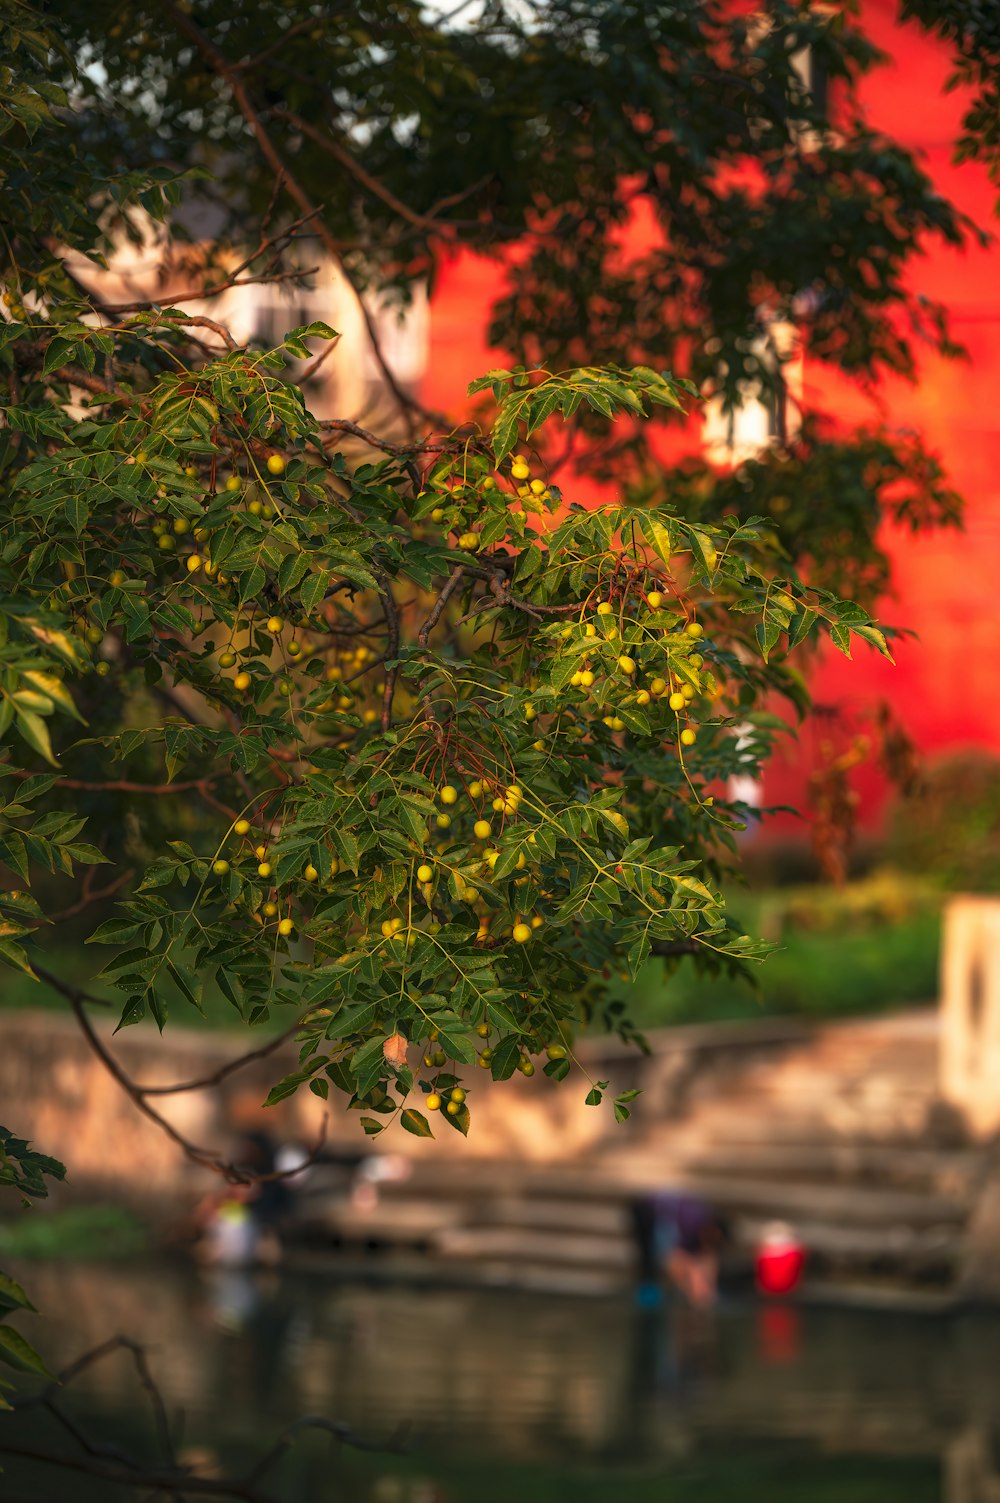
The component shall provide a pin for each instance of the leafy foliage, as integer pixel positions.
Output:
(23, 1169)
(453, 748)
(973, 29)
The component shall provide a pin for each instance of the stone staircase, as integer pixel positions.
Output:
(841, 1134)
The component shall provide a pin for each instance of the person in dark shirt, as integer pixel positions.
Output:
(680, 1236)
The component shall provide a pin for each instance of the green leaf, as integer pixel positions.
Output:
(36, 733)
(840, 636)
(20, 1354)
(12, 1296)
(460, 1121)
(505, 1058)
(416, 1123)
(14, 955)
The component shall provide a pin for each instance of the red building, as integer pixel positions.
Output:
(943, 686)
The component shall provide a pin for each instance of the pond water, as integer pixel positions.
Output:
(492, 1396)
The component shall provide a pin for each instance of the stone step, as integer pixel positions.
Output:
(847, 1205)
(915, 1249)
(580, 1217)
(954, 1174)
(395, 1222)
(515, 1244)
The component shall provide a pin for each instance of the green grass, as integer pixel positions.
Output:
(868, 949)
(80, 1232)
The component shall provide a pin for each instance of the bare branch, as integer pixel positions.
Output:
(451, 585)
(344, 425)
(354, 167)
(272, 156)
(206, 1157)
(167, 1477)
(206, 1082)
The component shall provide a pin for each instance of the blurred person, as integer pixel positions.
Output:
(679, 1236)
(242, 1224)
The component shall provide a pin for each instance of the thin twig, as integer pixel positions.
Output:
(206, 1157)
(450, 586)
(272, 156)
(354, 167)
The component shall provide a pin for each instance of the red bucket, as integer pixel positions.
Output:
(780, 1261)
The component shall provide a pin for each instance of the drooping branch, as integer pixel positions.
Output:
(165, 1475)
(207, 1158)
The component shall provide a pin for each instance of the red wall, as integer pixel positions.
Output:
(944, 686)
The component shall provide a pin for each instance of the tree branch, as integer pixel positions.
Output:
(451, 585)
(354, 167)
(272, 156)
(167, 1476)
(205, 1157)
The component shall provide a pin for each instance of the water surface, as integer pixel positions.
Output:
(492, 1396)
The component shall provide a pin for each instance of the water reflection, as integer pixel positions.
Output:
(505, 1394)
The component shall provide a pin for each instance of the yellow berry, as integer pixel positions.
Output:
(443, 821)
(555, 1051)
(448, 794)
(657, 686)
(476, 789)
(310, 873)
(264, 869)
(433, 1102)
(688, 737)
(676, 701)
(275, 464)
(424, 873)
(193, 563)
(530, 712)
(519, 470)
(453, 1108)
(654, 600)
(457, 1095)
(285, 927)
(482, 829)
(605, 608)
(220, 868)
(241, 827)
(694, 630)
(242, 681)
(626, 664)
(642, 698)
(260, 852)
(269, 909)
(521, 933)
(274, 624)
(233, 483)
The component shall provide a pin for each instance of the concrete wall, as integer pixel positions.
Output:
(56, 1092)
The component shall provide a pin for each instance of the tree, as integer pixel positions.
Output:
(408, 745)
